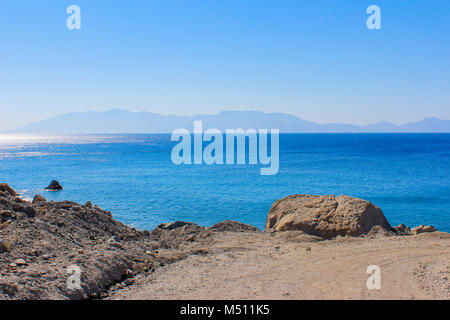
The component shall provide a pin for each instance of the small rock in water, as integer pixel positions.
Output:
(54, 186)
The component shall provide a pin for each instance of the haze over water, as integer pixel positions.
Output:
(406, 175)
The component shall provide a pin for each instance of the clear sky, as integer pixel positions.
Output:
(315, 59)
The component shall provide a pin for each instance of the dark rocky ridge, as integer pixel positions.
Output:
(40, 240)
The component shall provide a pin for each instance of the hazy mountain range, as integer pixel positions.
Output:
(122, 121)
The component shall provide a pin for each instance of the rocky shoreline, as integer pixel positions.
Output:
(40, 241)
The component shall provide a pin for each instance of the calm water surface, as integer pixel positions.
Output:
(407, 175)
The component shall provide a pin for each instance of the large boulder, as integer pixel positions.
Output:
(325, 216)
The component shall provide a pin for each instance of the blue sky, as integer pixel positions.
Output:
(315, 59)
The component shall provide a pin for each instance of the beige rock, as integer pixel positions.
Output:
(378, 232)
(401, 229)
(423, 229)
(325, 216)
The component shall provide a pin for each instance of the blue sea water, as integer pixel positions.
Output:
(407, 175)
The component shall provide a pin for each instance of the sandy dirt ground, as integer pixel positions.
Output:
(262, 266)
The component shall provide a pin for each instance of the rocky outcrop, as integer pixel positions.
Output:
(173, 225)
(233, 226)
(12, 208)
(402, 230)
(326, 216)
(5, 188)
(38, 199)
(88, 204)
(39, 242)
(42, 243)
(423, 229)
(54, 186)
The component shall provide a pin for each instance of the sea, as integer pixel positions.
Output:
(133, 176)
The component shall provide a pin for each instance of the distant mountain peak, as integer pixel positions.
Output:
(124, 121)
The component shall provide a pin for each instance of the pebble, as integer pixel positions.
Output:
(149, 253)
(20, 262)
(115, 242)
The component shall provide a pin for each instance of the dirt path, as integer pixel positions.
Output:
(260, 266)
